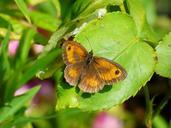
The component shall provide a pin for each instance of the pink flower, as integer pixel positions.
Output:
(12, 47)
(37, 48)
(104, 120)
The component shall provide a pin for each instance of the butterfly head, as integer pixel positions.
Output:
(91, 53)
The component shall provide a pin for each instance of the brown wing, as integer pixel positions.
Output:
(72, 73)
(108, 70)
(90, 81)
(73, 52)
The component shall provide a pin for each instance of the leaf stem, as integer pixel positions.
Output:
(148, 119)
(147, 96)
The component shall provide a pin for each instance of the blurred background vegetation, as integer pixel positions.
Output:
(22, 39)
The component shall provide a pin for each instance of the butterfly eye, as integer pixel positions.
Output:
(117, 72)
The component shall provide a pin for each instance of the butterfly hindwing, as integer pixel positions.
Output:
(73, 52)
(108, 70)
(73, 72)
(90, 80)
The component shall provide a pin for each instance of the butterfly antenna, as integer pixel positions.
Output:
(89, 42)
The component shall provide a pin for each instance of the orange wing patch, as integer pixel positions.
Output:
(73, 52)
(72, 72)
(90, 81)
(109, 71)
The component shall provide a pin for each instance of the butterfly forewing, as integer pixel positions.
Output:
(73, 52)
(108, 71)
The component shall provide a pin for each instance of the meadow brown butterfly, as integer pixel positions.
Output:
(90, 73)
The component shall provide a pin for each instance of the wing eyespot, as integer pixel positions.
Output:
(117, 72)
(69, 48)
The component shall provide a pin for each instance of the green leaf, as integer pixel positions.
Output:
(47, 7)
(71, 98)
(23, 7)
(160, 122)
(81, 9)
(12, 12)
(137, 11)
(150, 8)
(57, 6)
(3, 23)
(56, 36)
(45, 21)
(25, 44)
(145, 31)
(69, 116)
(65, 9)
(16, 25)
(85, 8)
(50, 69)
(163, 51)
(79, 6)
(5, 67)
(39, 64)
(32, 69)
(16, 104)
(4, 59)
(114, 37)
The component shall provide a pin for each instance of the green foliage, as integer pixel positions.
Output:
(122, 45)
(11, 108)
(145, 31)
(23, 7)
(45, 21)
(159, 122)
(163, 51)
(126, 36)
(81, 121)
(5, 66)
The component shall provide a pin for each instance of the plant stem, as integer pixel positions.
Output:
(147, 96)
(161, 105)
(122, 8)
(148, 119)
(163, 102)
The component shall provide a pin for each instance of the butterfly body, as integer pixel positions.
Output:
(90, 73)
(89, 57)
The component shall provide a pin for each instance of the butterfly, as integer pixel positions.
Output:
(90, 73)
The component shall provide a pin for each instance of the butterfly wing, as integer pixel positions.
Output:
(74, 55)
(90, 81)
(108, 70)
(72, 73)
(73, 52)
